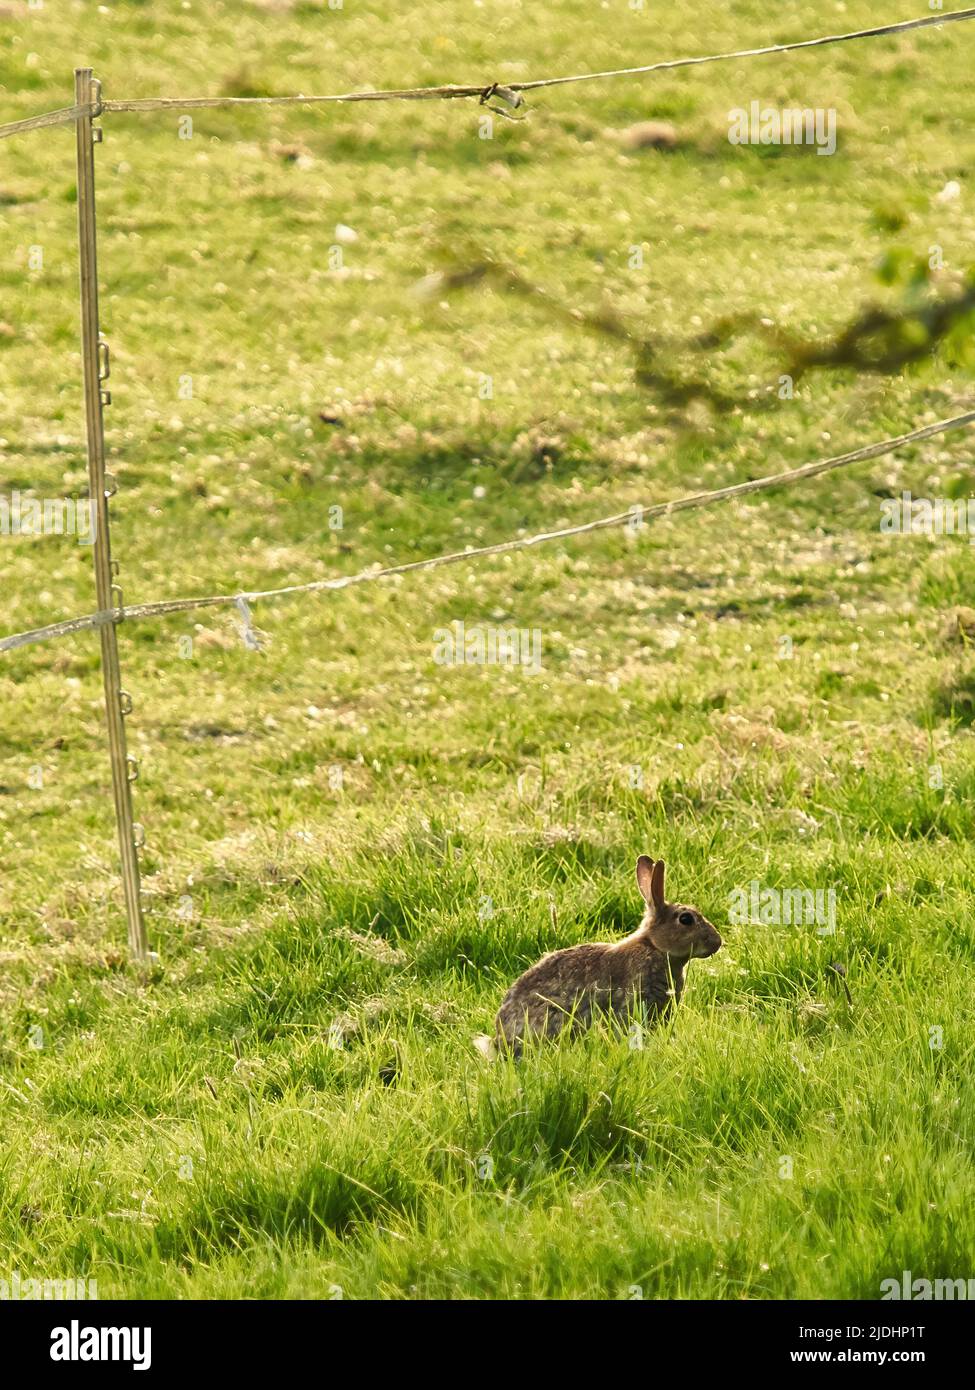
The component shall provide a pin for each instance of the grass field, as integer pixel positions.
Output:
(352, 849)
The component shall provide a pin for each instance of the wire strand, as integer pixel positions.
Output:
(453, 92)
(65, 116)
(657, 509)
(902, 27)
(481, 90)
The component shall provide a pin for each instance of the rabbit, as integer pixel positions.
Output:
(644, 970)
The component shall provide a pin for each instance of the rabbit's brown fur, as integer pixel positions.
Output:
(644, 973)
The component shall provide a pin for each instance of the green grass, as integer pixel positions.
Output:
(222, 1126)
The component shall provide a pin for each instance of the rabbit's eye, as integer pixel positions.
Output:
(686, 919)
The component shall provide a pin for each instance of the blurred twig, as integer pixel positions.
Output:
(878, 340)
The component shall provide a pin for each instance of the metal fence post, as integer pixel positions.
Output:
(94, 352)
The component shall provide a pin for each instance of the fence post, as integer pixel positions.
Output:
(94, 352)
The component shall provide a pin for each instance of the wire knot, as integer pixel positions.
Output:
(507, 95)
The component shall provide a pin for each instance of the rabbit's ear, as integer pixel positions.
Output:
(645, 870)
(657, 884)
